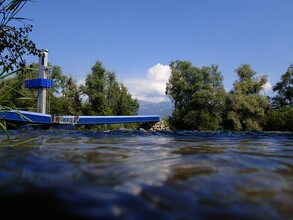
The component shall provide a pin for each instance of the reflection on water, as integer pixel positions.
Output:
(141, 175)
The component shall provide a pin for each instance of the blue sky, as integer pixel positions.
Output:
(137, 39)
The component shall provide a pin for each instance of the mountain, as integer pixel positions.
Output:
(164, 109)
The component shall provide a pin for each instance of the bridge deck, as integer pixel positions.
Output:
(39, 118)
(25, 116)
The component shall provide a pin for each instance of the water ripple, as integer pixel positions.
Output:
(143, 175)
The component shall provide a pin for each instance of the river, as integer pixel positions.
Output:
(63, 174)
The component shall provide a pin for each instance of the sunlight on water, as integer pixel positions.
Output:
(142, 175)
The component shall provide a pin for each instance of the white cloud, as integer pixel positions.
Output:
(81, 82)
(159, 72)
(152, 87)
(267, 88)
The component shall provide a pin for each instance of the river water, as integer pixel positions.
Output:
(61, 174)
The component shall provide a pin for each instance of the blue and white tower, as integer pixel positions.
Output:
(42, 83)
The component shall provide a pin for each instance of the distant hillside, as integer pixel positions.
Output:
(164, 109)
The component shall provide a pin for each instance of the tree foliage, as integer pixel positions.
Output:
(245, 106)
(61, 99)
(14, 43)
(66, 99)
(13, 92)
(284, 89)
(201, 103)
(106, 96)
(279, 119)
(248, 84)
(14, 40)
(280, 116)
(198, 95)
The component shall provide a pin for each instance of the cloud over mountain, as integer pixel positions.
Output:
(152, 86)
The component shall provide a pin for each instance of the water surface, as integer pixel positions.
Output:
(146, 175)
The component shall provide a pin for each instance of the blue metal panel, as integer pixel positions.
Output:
(25, 116)
(39, 83)
(90, 120)
(33, 117)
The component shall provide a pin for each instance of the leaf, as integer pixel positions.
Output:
(9, 91)
(27, 141)
(4, 127)
(26, 98)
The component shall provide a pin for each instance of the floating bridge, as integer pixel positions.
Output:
(40, 117)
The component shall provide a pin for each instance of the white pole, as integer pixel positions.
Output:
(43, 66)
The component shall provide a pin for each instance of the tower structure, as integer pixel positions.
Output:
(42, 83)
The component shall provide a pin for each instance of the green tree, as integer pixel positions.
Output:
(198, 96)
(14, 41)
(280, 116)
(284, 89)
(105, 95)
(112, 93)
(95, 89)
(13, 92)
(63, 98)
(279, 119)
(245, 106)
(58, 78)
(125, 105)
(69, 102)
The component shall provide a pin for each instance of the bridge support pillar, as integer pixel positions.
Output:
(43, 74)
